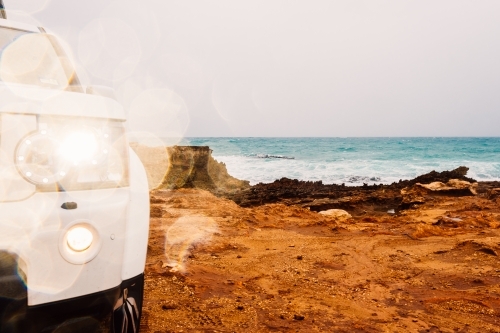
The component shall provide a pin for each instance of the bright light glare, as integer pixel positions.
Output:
(79, 147)
(79, 238)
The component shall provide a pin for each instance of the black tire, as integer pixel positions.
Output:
(126, 317)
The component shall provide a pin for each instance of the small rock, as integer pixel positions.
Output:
(169, 265)
(299, 257)
(240, 307)
(168, 306)
(391, 211)
(374, 314)
(298, 317)
(238, 256)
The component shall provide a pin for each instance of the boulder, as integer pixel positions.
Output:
(338, 214)
(453, 186)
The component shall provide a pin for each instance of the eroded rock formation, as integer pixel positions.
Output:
(186, 167)
(194, 167)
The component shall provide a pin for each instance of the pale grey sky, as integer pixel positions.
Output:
(290, 68)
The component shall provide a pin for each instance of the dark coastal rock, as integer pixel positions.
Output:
(317, 196)
(355, 199)
(459, 173)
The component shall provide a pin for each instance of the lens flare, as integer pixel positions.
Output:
(153, 154)
(161, 112)
(109, 49)
(185, 232)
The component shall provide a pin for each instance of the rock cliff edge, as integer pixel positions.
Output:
(186, 167)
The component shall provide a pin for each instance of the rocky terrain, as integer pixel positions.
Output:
(277, 265)
(318, 196)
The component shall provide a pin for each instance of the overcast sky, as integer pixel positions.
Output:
(289, 68)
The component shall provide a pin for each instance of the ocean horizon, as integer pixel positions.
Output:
(351, 160)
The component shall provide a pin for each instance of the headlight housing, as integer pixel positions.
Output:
(67, 154)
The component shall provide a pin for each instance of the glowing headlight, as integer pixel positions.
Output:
(74, 155)
(78, 147)
(79, 238)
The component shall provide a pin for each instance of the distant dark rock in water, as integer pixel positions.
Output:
(274, 156)
(194, 167)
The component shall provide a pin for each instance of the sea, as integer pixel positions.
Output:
(352, 161)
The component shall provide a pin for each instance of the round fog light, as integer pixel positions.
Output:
(79, 238)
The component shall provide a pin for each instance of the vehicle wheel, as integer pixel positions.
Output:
(127, 311)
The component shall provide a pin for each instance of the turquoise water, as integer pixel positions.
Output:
(352, 160)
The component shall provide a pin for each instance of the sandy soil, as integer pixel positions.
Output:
(216, 267)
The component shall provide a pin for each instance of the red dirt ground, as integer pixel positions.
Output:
(216, 267)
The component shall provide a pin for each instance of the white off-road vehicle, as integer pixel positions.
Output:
(74, 204)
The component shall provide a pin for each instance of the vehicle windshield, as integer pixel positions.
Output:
(35, 59)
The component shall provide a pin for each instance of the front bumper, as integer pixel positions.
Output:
(89, 313)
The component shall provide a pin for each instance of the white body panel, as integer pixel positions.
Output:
(32, 100)
(136, 243)
(18, 25)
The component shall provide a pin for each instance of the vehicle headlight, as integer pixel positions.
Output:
(78, 147)
(79, 238)
(69, 155)
(79, 242)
